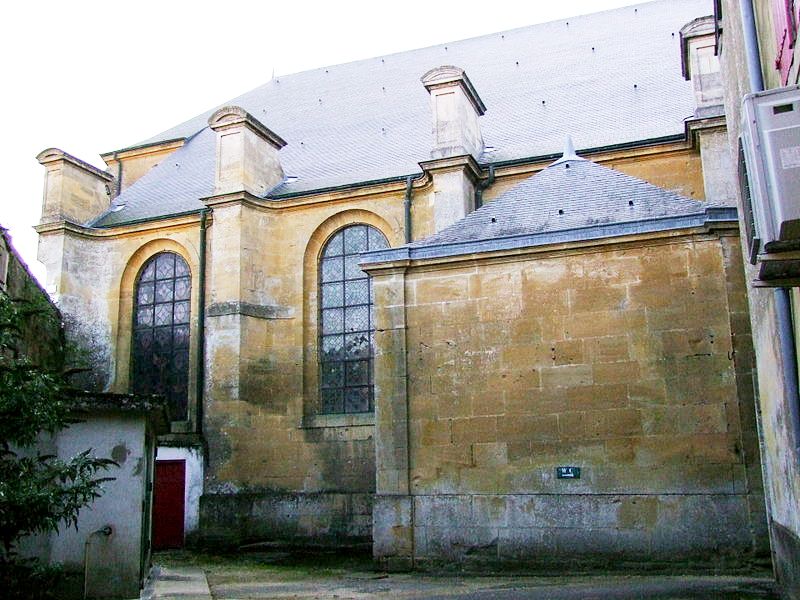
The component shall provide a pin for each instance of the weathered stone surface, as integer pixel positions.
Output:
(633, 382)
(589, 528)
(392, 532)
(331, 519)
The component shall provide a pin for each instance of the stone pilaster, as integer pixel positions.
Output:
(243, 320)
(240, 306)
(454, 180)
(393, 521)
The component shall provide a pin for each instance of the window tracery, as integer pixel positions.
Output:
(346, 322)
(161, 330)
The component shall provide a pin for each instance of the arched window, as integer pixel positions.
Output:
(161, 331)
(346, 334)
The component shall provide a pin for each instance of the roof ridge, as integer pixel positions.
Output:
(326, 67)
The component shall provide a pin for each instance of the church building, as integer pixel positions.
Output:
(473, 304)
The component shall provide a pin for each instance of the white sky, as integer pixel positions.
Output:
(89, 76)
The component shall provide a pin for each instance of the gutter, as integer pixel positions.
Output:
(711, 217)
(145, 220)
(680, 137)
(787, 344)
(336, 188)
(404, 178)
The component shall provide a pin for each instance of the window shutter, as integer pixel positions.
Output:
(783, 19)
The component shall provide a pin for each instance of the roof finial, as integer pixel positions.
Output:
(569, 149)
(569, 152)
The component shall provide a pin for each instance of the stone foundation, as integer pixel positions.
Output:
(603, 531)
(309, 519)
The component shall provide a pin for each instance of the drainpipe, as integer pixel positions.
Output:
(407, 209)
(788, 351)
(751, 51)
(201, 322)
(783, 307)
(483, 185)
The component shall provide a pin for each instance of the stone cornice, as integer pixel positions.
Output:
(53, 155)
(143, 150)
(229, 117)
(387, 268)
(715, 221)
(349, 191)
(397, 185)
(175, 221)
(449, 76)
(696, 125)
(231, 198)
(346, 194)
(570, 249)
(452, 163)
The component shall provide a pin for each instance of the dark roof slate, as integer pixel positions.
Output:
(172, 187)
(569, 194)
(609, 78)
(572, 200)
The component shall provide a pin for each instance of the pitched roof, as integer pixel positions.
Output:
(571, 193)
(172, 187)
(612, 77)
(572, 199)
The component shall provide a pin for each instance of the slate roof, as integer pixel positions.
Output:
(173, 187)
(609, 78)
(569, 194)
(572, 199)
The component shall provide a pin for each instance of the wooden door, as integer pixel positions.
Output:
(168, 504)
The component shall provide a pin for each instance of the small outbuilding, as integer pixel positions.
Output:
(109, 548)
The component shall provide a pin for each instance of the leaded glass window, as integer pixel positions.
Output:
(161, 331)
(346, 324)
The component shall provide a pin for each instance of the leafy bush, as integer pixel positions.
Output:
(38, 492)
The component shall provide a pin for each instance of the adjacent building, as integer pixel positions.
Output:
(756, 43)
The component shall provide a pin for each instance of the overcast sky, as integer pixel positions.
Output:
(90, 77)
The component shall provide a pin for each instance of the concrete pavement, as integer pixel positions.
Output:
(192, 583)
(176, 583)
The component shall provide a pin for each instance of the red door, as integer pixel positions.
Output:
(168, 504)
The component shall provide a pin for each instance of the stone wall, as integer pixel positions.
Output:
(287, 519)
(779, 455)
(629, 362)
(43, 336)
